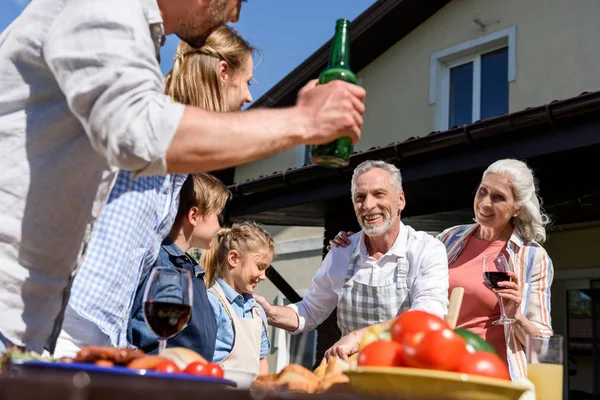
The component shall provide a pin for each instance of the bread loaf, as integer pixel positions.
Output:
(182, 356)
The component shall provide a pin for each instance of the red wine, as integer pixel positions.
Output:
(166, 319)
(492, 278)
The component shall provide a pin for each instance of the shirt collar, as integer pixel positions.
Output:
(231, 295)
(172, 248)
(516, 238)
(398, 248)
(174, 251)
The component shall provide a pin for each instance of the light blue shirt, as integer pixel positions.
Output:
(242, 305)
(82, 93)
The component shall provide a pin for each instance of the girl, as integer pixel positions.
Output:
(235, 263)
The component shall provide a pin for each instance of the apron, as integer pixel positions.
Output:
(247, 333)
(361, 305)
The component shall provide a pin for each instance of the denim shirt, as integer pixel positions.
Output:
(242, 305)
(201, 331)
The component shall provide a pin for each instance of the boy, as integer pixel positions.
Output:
(202, 199)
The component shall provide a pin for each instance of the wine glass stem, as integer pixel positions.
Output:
(501, 303)
(162, 344)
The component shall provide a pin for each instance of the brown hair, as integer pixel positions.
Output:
(245, 237)
(195, 77)
(204, 191)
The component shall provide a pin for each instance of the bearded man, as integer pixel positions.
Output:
(388, 267)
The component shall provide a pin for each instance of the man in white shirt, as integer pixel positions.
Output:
(387, 268)
(82, 96)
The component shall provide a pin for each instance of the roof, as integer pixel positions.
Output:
(555, 113)
(543, 134)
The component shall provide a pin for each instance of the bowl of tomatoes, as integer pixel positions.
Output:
(420, 356)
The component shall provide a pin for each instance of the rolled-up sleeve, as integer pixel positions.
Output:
(538, 309)
(430, 288)
(322, 297)
(103, 59)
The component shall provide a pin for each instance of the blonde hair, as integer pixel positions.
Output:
(195, 77)
(531, 222)
(204, 191)
(246, 238)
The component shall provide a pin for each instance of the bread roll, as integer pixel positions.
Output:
(336, 366)
(182, 356)
(147, 362)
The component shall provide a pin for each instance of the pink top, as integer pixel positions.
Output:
(480, 305)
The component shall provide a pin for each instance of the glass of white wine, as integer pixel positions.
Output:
(545, 366)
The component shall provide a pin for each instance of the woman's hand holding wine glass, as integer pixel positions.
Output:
(511, 294)
(498, 276)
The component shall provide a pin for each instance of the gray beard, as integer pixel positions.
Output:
(378, 230)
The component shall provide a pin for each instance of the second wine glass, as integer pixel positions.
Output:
(168, 302)
(495, 269)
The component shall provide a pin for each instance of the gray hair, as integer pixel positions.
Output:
(532, 220)
(366, 166)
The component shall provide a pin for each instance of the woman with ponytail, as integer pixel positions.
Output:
(215, 77)
(127, 236)
(235, 264)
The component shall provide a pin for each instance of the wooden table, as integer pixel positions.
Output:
(81, 386)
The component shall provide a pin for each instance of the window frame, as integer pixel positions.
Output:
(444, 60)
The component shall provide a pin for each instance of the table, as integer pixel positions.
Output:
(81, 386)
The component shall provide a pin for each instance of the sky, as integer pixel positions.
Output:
(285, 31)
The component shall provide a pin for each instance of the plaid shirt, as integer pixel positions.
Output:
(124, 244)
(533, 267)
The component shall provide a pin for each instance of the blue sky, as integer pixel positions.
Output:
(285, 31)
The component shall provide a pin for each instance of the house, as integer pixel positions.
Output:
(451, 87)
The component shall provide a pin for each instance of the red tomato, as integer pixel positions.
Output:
(412, 322)
(167, 366)
(381, 353)
(441, 349)
(485, 364)
(215, 370)
(197, 368)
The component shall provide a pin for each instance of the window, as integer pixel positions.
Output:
(470, 81)
(580, 344)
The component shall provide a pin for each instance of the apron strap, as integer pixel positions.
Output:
(257, 315)
(352, 264)
(217, 291)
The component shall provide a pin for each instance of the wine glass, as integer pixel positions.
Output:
(168, 302)
(495, 269)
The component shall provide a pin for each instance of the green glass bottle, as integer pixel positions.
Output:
(336, 153)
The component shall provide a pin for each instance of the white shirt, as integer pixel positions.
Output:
(82, 92)
(427, 275)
